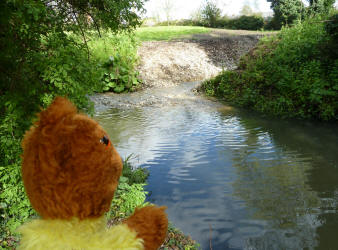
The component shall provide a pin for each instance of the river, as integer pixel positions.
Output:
(231, 178)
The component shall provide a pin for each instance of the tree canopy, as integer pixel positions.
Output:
(286, 11)
(210, 13)
(34, 34)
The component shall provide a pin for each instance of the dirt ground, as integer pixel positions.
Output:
(193, 58)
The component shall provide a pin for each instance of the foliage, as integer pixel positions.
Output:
(130, 192)
(319, 6)
(210, 13)
(288, 75)
(167, 32)
(177, 240)
(116, 54)
(245, 23)
(331, 27)
(44, 52)
(287, 11)
(272, 23)
(134, 175)
(127, 198)
(254, 22)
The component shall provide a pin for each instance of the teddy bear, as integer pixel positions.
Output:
(70, 170)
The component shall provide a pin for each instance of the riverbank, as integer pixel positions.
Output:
(195, 57)
(293, 74)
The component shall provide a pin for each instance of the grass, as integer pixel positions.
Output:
(159, 33)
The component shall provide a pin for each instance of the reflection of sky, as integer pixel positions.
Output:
(220, 179)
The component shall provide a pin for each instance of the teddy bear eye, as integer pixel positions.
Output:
(105, 140)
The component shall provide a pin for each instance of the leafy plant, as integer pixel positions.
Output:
(116, 55)
(119, 76)
(130, 191)
(134, 175)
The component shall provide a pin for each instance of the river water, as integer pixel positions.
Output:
(230, 178)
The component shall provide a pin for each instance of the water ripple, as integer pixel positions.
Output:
(255, 183)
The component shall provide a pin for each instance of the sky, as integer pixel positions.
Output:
(184, 8)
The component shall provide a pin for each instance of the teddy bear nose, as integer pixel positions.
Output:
(105, 140)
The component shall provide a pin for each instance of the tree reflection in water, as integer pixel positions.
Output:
(277, 189)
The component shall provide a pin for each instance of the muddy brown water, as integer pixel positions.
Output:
(230, 178)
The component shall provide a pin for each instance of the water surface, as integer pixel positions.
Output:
(232, 179)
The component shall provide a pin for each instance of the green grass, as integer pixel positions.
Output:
(158, 33)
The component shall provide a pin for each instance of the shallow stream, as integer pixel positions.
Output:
(231, 179)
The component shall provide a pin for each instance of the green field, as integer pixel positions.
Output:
(168, 32)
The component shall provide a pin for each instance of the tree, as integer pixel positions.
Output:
(246, 11)
(33, 32)
(43, 53)
(320, 6)
(168, 7)
(287, 11)
(210, 13)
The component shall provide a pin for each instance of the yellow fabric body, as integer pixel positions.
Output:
(76, 235)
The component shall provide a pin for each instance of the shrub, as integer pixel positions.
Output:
(286, 75)
(249, 23)
(242, 22)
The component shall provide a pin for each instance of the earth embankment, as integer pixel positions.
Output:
(194, 58)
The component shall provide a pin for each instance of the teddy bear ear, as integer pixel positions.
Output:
(59, 108)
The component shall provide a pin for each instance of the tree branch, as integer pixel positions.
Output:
(83, 34)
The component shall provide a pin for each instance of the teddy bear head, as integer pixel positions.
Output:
(69, 169)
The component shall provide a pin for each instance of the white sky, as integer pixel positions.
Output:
(184, 8)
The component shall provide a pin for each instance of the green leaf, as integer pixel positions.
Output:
(112, 84)
(123, 179)
(112, 76)
(119, 89)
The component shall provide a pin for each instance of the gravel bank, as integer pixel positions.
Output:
(194, 58)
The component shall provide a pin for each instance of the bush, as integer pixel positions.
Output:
(248, 23)
(286, 75)
(242, 22)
